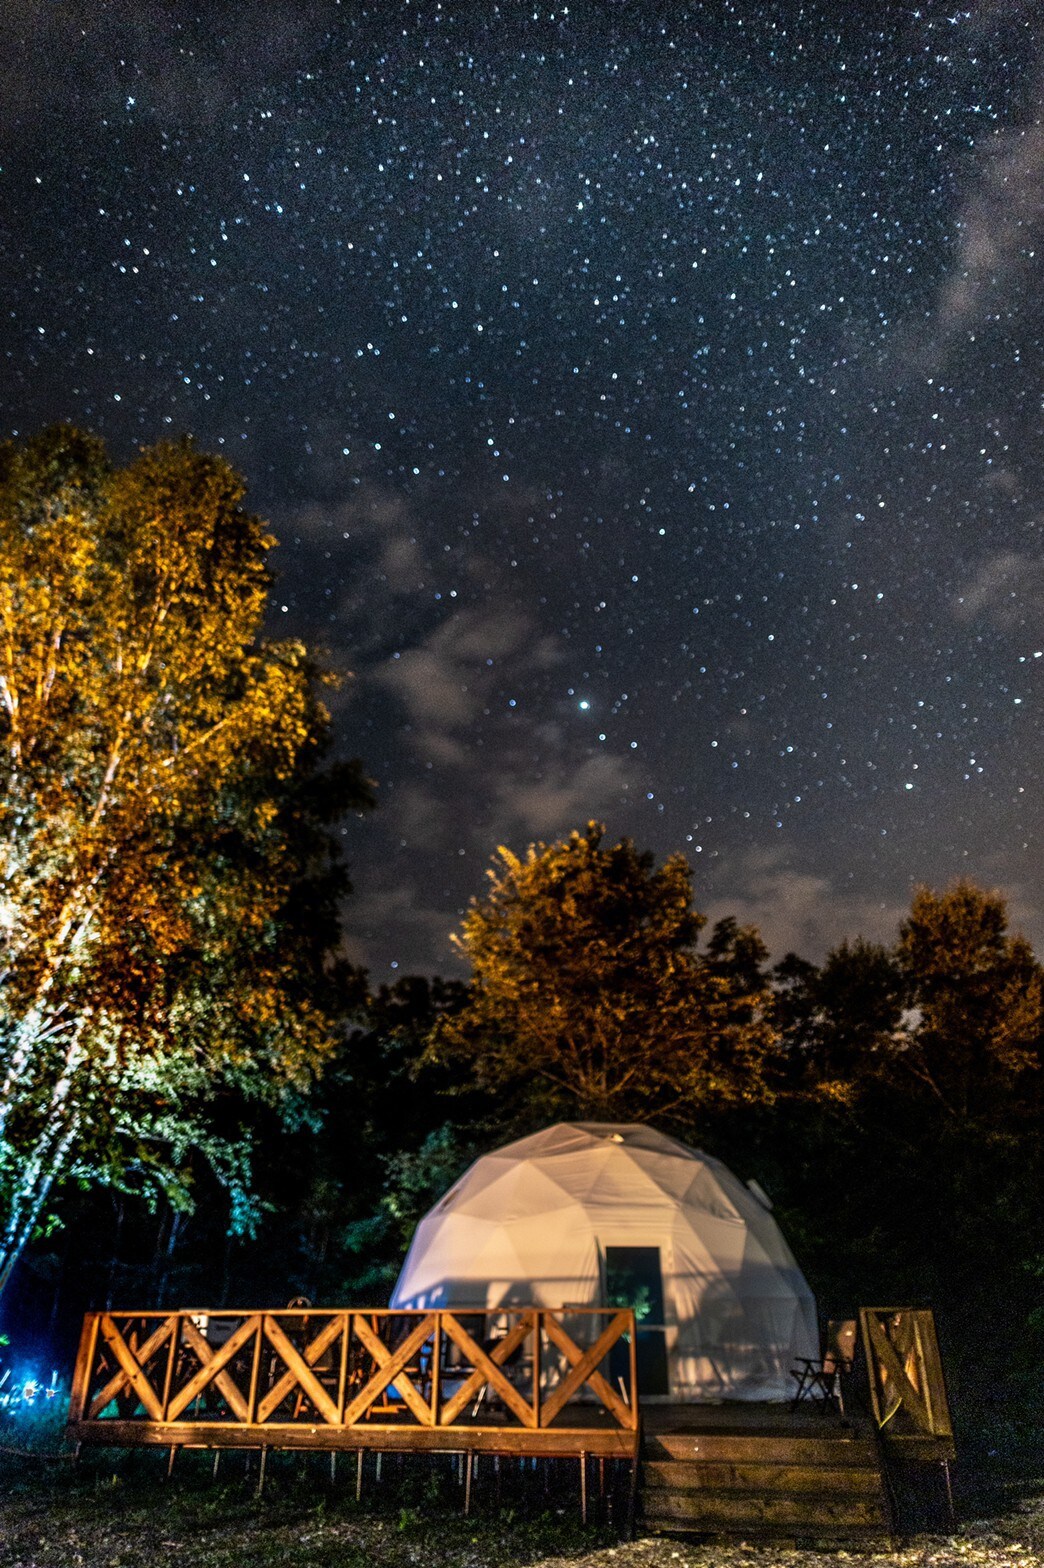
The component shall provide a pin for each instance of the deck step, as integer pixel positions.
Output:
(711, 1509)
(788, 1537)
(708, 1475)
(773, 1447)
(767, 1485)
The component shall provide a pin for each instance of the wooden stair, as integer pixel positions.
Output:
(767, 1485)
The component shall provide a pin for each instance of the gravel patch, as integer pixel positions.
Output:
(1008, 1543)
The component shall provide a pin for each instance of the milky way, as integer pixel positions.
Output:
(647, 399)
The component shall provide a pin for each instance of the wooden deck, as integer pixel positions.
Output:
(524, 1382)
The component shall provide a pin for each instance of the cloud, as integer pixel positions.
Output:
(385, 525)
(419, 814)
(559, 794)
(377, 529)
(458, 707)
(446, 682)
(428, 681)
(799, 911)
(404, 923)
(1000, 230)
(1007, 590)
(535, 777)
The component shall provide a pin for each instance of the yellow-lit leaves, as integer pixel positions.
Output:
(150, 744)
(586, 975)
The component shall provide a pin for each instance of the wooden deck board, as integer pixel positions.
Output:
(519, 1442)
(780, 1476)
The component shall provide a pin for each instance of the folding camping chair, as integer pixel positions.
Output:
(820, 1380)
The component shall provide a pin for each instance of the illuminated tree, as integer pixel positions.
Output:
(586, 980)
(160, 809)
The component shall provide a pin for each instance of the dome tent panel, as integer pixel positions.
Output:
(568, 1267)
(495, 1275)
(515, 1191)
(439, 1243)
(595, 1178)
(602, 1179)
(459, 1259)
(736, 1309)
(705, 1191)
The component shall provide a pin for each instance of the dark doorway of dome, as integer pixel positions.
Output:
(633, 1278)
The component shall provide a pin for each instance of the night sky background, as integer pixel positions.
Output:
(648, 400)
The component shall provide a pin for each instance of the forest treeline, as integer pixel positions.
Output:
(202, 1104)
(889, 1100)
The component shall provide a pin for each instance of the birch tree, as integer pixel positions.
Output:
(156, 755)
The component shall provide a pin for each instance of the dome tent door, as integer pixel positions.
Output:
(633, 1278)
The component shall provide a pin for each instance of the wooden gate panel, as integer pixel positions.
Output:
(907, 1388)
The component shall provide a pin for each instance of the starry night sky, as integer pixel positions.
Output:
(648, 400)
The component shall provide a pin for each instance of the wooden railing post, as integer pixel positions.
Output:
(436, 1370)
(255, 1371)
(172, 1355)
(342, 1376)
(81, 1378)
(905, 1374)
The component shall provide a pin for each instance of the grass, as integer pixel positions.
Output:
(119, 1512)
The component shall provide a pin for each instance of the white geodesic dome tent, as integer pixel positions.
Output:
(545, 1222)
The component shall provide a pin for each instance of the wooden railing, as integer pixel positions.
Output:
(907, 1388)
(521, 1380)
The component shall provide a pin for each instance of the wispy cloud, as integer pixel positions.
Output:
(799, 911)
(1006, 590)
(405, 922)
(446, 682)
(457, 707)
(1000, 230)
(560, 792)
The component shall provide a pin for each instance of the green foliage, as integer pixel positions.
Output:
(586, 986)
(386, 1136)
(413, 1180)
(416, 1178)
(162, 830)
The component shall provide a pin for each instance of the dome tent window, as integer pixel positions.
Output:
(548, 1221)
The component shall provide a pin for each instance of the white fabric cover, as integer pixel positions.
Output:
(529, 1224)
